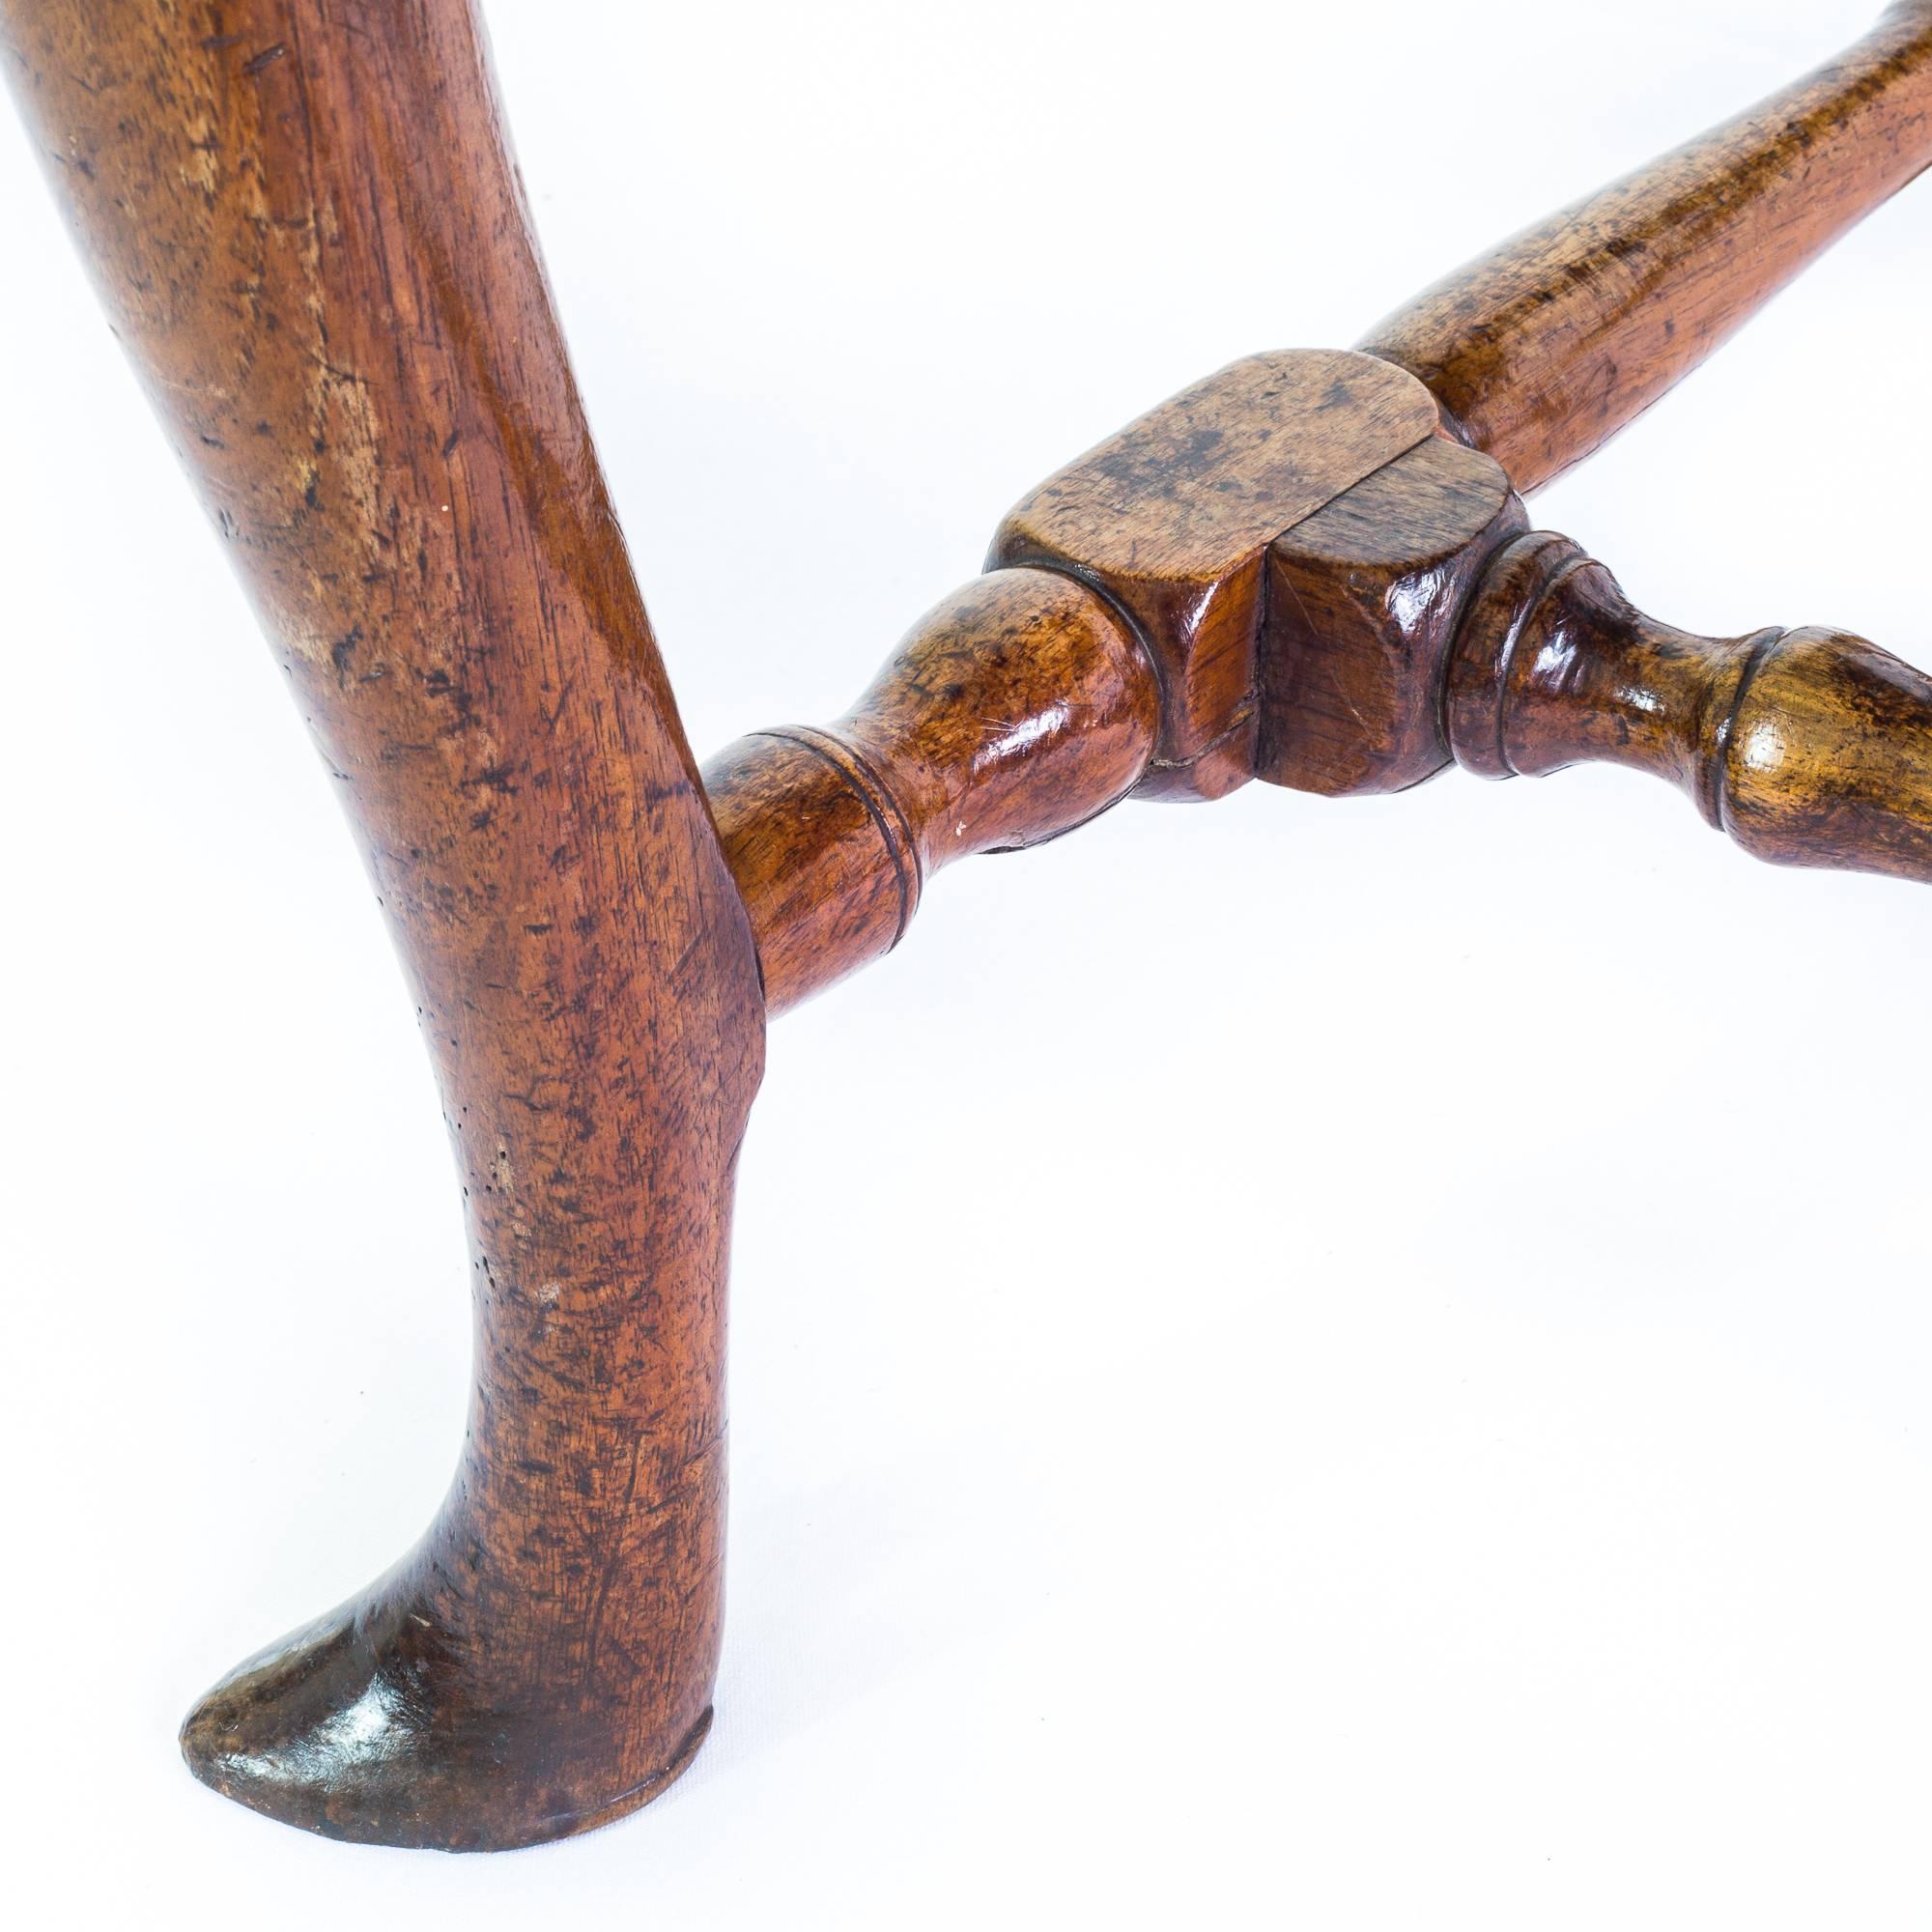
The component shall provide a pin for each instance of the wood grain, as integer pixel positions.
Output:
(1542, 350)
(1170, 519)
(304, 222)
(1362, 603)
(1016, 709)
(1809, 748)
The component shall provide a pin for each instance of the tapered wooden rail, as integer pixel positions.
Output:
(1315, 567)
(1542, 350)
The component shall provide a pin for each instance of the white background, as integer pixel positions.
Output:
(1301, 1363)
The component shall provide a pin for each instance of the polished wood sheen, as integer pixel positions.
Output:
(1315, 567)
(1018, 708)
(1541, 352)
(1810, 748)
(309, 235)
(1362, 602)
(1171, 519)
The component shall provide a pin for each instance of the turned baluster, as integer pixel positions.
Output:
(1809, 748)
(1314, 567)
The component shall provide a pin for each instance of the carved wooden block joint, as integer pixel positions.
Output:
(1314, 568)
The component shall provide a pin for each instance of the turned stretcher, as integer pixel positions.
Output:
(1315, 567)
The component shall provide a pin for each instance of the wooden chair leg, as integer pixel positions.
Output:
(310, 236)
(1312, 567)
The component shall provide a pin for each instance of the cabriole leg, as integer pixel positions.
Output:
(309, 235)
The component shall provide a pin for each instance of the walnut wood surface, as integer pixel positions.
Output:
(304, 221)
(1542, 350)
(1170, 519)
(305, 225)
(1810, 748)
(1830, 757)
(1013, 711)
(1362, 602)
